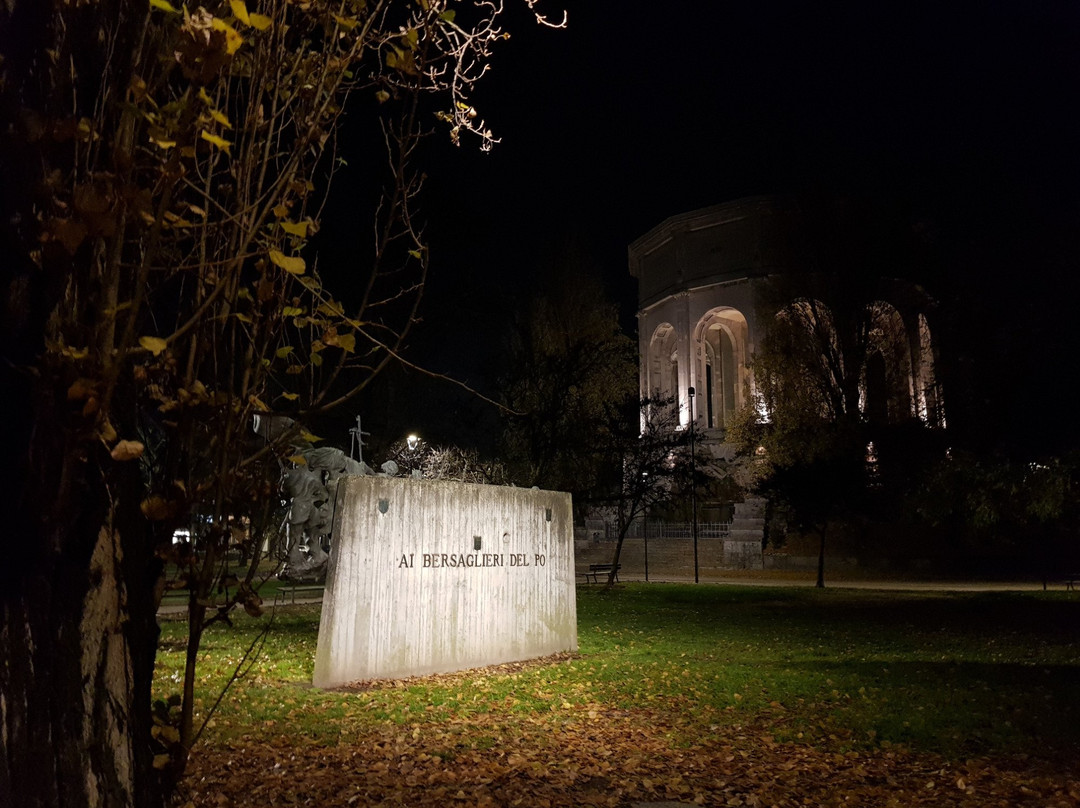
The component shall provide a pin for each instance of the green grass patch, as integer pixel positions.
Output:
(960, 674)
(265, 583)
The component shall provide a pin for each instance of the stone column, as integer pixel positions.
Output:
(687, 372)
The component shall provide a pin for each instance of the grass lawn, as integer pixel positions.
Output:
(709, 694)
(266, 581)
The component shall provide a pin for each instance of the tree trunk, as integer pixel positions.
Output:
(77, 634)
(615, 560)
(78, 662)
(821, 558)
(78, 628)
(624, 528)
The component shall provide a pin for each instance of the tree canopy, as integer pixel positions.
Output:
(165, 175)
(570, 389)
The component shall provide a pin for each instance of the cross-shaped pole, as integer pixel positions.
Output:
(356, 447)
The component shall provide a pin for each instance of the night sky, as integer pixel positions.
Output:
(957, 120)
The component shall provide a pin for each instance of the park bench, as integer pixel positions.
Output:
(289, 593)
(596, 570)
(1070, 580)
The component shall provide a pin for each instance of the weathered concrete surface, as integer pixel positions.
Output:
(429, 576)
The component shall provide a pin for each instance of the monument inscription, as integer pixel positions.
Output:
(431, 575)
(455, 560)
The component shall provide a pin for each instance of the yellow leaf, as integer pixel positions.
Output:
(172, 220)
(308, 436)
(220, 142)
(293, 264)
(281, 211)
(259, 22)
(127, 450)
(162, 142)
(348, 23)
(154, 345)
(233, 40)
(161, 761)
(298, 460)
(290, 396)
(220, 117)
(167, 733)
(347, 342)
(156, 508)
(258, 404)
(240, 11)
(164, 6)
(107, 432)
(82, 389)
(75, 353)
(295, 228)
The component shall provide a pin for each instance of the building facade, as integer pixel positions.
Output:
(701, 278)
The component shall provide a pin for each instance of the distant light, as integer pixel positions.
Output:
(413, 441)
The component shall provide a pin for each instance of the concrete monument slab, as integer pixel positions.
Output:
(430, 576)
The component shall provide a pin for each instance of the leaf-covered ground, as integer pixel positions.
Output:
(593, 756)
(690, 696)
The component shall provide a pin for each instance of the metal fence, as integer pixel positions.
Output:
(655, 529)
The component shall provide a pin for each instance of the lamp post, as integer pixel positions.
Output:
(645, 521)
(412, 457)
(693, 485)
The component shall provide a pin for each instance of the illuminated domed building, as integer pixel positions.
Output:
(701, 278)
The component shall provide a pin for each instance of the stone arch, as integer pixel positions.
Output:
(720, 341)
(805, 338)
(663, 367)
(886, 384)
(816, 319)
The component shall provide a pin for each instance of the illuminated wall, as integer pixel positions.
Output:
(699, 276)
(431, 576)
(697, 312)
